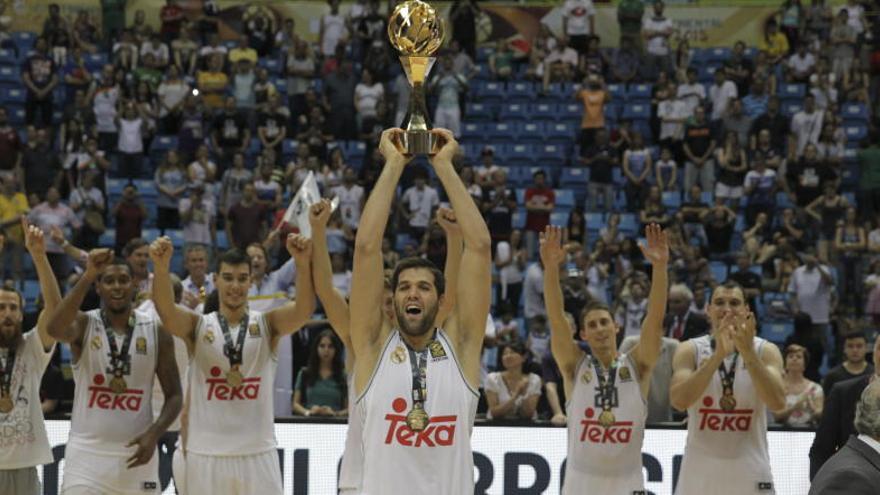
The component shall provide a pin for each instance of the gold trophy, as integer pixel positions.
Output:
(416, 30)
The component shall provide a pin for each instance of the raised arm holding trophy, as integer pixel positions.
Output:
(416, 30)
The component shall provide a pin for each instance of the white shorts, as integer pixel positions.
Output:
(728, 192)
(228, 475)
(88, 473)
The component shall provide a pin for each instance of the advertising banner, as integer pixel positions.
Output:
(521, 460)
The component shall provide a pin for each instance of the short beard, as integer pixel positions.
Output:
(9, 339)
(424, 327)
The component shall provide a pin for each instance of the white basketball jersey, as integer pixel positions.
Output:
(181, 355)
(351, 471)
(438, 460)
(104, 422)
(226, 420)
(608, 460)
(726, 451)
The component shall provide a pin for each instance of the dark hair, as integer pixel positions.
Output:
(856, 335)
(516, 346)
(312, 372)
(116, 261)
(212, 303)
(133, 245)
(258, 245)
(730, 285)
(594, 306)
(539, 172)
(794, 349)
(4, 288)
(234, 257)
(413, 263)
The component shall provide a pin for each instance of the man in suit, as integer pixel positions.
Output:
(855, 468)
(837, 418)
(680, 322)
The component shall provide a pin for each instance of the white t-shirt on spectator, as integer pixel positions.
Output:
(759, 180)
(567, 55)
(198, 229)
(350, 201)
(720, 97)
(170, 95)
(334, 30)
(533, 291)
(806, 127)
(342, 282)
(801, 64)
(367, 98)
(160, 52)
(657, 45)
(421, 203)
(812, 293)
(80, 196)
(669, 111)
(495, 383)
(692, 95)
(855, 13)
(578, 13)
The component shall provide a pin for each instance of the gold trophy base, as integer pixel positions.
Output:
(419, 142)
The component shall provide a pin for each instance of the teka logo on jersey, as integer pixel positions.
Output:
(102, 397)
(593, 432)
(439, 433)
(721, 420)
(218, 389)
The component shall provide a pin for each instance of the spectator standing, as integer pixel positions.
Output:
(806, 125)
(417, 206)
(559, 64)
(198, 215)
(299, 68)
(636, 169)
(630, 15)
(593, 96)
(130, 214)
(692, 92)
(666, 171)
(579, 23)
(212, 83)
(449, 86)
(41, 166)
(721, 93)
(631, 309)
(760, 188)
(850, 244)
(719, 222)
(52, 213)
(369, 94)
(772, 121)
(672, 112)
(681, 322)
(242, 84)
(600, 158)
(514, 392)
(855, 348)
(185, 52)
(691, 215)
(499, 204)
(351, 199)
(130, 145)
(754, 103)
(657, 29)
(533, 292)
(233, 183)
(246, 220)
(171, 94)
(198, 283)
(732, 167)
(13, 206)
(540, 201)
(811, 291)
(844, 40)
(272, 125)
(501, 61)
(774, 43)
(230, 134)
(332, 30)
(320, 388)
(104, 95)
(339, 88)
(10, 148)
(76, 76)
(39, 75)
(737, 121)
(87, 201)
(510, 262)
(171, 181)
(804, 398)
(699, 148)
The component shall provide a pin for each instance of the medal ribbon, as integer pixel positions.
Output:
(6, 371)
(233, 351)
(727, 375)
(418, 361)
(606, 396)
(120, 359)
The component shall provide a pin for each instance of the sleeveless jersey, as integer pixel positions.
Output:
(438, 460)
(226, 420)
(352, 469)
(607, 460)
(181, 355)
(726, 451)
(103, 422)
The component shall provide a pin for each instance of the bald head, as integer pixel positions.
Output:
(868, 411)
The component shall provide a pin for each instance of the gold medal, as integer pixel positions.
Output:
(234, 377)
(6, 404)
(417, 418)
(606, 418)
(118, 385)
(728, 402)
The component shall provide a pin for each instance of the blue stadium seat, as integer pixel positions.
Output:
(108, 238)
(16, 115)
(24, 40)
(500, 131)
(520, 155)
(672, 199)
(513, 111)
(777, 332)
(544, 111)
(519, 176)
(222, 240)
(618, 91)
(574, 177)
(473, 132)
(150, 234)
(520, 91)
(564, 198)
(519, 218)
(115, 186)
(483, 53)
(176, 237)
(288, 147)
(719, 270)
(478, 111)
(612, 113)
(561, 91)
(559, 218)
(636, 111)
(628, 224)
(595, 221)
(146, 188)
(718, 55)
(13, 96)
(7, 57)
(482, 71)
(570, 111)
(163, 143)
(551, 155)
(706, 72)
(520, 195)
(560, 132)
(855, 112)
(856, 132)
(792, 91)
(530, 131)
(639, 92)
(783, 201)
(271, 64)
(280, 84)
(31, 293)
(791, 107)
(95, 61)
(489, 91)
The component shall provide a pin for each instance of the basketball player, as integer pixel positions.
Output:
(117, 351)
(337, 310)
(726, 381)
(229, 442)
(417, 384)
(607, 390)
(23, 359)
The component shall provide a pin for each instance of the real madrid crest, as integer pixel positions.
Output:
(209, 336)
(96, 343)
(625, 375)
(140, 345)
(254, 330)
(587, 377)
(398, 355)
(437, 350)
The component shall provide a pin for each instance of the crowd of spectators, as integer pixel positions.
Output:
(738, 181)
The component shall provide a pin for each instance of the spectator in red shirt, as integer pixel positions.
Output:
(246, 220)
(130, 214)
(540, 201)
(172, 17)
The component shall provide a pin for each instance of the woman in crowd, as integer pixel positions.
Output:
(171, 182)
(510, 262)
(320, 388)
(850, 244)
(803, 397)
(514, 392)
